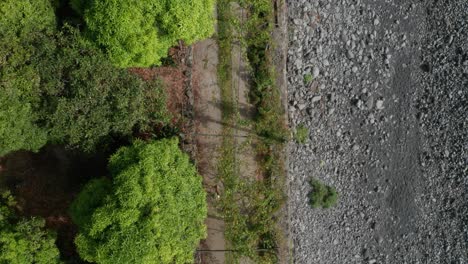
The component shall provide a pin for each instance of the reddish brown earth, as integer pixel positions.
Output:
(173, 78)
(45, 183)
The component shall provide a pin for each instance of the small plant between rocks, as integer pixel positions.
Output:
(321, 195)
(308, 78)
(302, 134)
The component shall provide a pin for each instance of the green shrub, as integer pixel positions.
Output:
(321, 195)
(18, 129)
(62, 89)
(85, 99)
(24, 241)
(23, 24)
(22, 19)
(153, 212)
(308, 78)
(302, 134)
(88, 200)
(140, 33)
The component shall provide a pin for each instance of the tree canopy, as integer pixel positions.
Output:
(24, 241)
(152, 211)
(85, 98)
(23, 24)
(63, 89)
(140, 33)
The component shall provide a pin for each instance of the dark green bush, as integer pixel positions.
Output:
(59, 87)
(140, 33)
(23, 24)
(85, 98)
(24, 241)
(322, 195)
(152, 211)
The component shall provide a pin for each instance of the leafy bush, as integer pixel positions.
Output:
(322, 195)
(308, 78)
(153, 211)
(22, 18)
(24, 241)
(85, 98)
(23, 24)
(302, 134)
(140, 33)
(18, 129)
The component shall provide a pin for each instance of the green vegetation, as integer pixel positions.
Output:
(152, 211)
(322, 196)
(60, 85)
(308, 78)
(249, 205)
(69, 93)
(23, 24)
(140, 33)
(302, 134)
(85, 98)
(24, 241)
(265, 95)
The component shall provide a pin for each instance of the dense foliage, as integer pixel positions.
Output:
(85, 98)
(151, 212)
(23, 24)
(57, 87)
(24, 241)
(322, 195)
(140, 33)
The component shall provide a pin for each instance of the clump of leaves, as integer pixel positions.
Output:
(302, 134)
(308, 78)
(321, 195)
(58, 87)
(86, 99)
(24, 240)
(23, 25)
(140, 33)
(152, 211)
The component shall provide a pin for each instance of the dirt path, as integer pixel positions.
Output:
(208, 129)
(243, 134)
(210, 123)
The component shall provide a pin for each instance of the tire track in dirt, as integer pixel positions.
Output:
(208, 125)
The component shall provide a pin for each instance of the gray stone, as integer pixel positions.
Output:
(316, 98)
(316, 72)
(379, 105)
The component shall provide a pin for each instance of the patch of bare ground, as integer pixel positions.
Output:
(174, 78)
(208, 130)
(45, 183)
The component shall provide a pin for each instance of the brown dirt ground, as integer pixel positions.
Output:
(45, 183)
(173, 78)
(207, 98)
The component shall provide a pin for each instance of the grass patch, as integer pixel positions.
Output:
(302, 134)
(250, 206)
(322, 196)
(308, 78)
